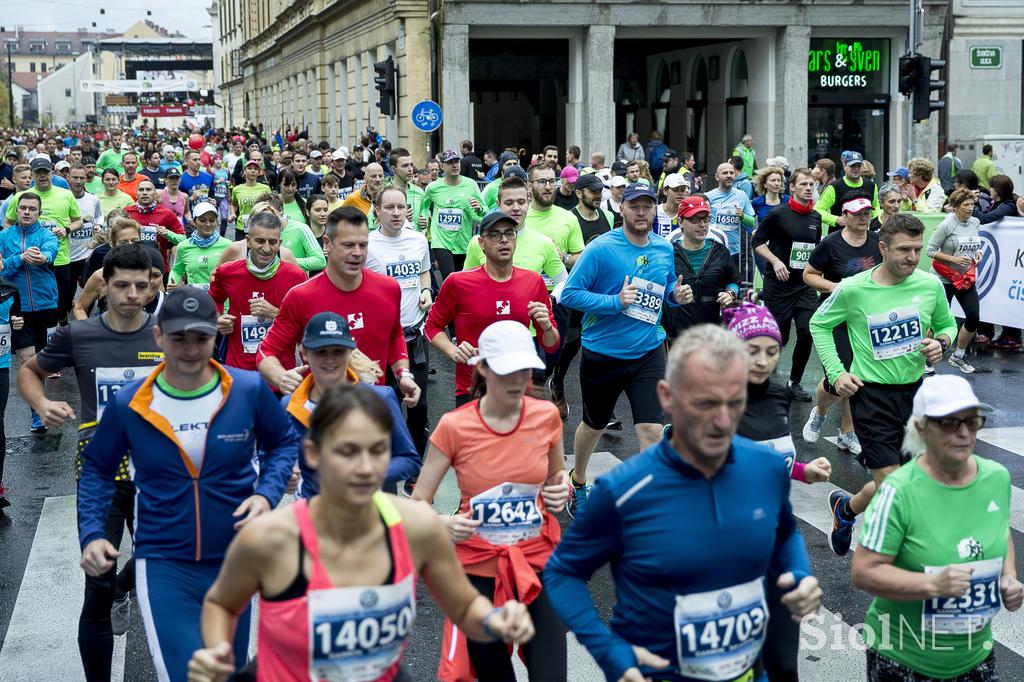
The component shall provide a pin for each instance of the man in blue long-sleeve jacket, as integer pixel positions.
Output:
(691, 527)
(191, 428)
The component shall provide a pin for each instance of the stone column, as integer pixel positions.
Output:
(455, 85)
(791, 48)
(598, 93)
(574, 106)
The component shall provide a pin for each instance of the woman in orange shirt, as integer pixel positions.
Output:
(506, 449)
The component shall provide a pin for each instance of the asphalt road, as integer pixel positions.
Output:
(41, 584)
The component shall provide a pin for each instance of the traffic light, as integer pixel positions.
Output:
(924, 105)
(908, 73)
(385, 85)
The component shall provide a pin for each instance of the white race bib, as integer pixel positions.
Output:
(649, 297)
(148, 233)
(5, 340)
(254, 330)
(973, 611)
(110, 380)
(510, 513)
(719, 634)
(895, 333)
(449, 219)
(968, 247)
(82, 234)
(357, 633)
(407, 272)
(800, 254)
(785, 447)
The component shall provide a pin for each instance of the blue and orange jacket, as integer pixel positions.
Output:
(182, 513)
(36, 284)
(405, 458)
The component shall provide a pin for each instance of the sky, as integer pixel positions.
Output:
(187, 16)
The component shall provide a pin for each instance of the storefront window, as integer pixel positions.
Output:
(736, 102)
(696, 107)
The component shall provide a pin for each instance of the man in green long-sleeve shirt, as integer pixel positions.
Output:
(984, 167)
(451, 205)
(888, 311)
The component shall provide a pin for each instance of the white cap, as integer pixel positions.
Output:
(946, 394)
(675, 181)
(315, 154)
(168, 148)
(507, 347)
(202, 208)
(340, 154)
(125, 147)
(61, 165)
(856, 205)
(618, 181)
(779, 161)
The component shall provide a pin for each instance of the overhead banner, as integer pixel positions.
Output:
(1000, 270)
(156, 111)
(159, 85)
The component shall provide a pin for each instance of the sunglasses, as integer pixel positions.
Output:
(952, 424)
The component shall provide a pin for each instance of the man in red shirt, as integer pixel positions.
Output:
(370, 302)
(154, 220)
(495, 291)
(254, 288)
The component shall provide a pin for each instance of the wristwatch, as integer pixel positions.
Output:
(942, 342)
(404, 372)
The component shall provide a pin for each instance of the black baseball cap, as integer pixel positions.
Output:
(590, 181)
(493, 219)
(670, 154)
(327, 329)
(41, 162)
(619, 168)
(517, 172)
(188, 309)
(173, 170)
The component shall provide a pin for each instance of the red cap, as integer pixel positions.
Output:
(692, 205)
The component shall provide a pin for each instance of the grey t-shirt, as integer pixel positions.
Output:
(955, 238)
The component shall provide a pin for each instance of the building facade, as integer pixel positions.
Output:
(61, 100)
(806, 81)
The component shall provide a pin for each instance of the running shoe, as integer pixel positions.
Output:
(961, 364)
(812, 429)
(842, 530)
(121, 615)
(557, 396)
(1005, 343)
(847, 440)
(4, 502)
(38, 427)
(614, 425)
(580, 493)
(928, 369)
(797, 392)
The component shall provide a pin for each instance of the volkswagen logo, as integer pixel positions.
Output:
(893, 316)
(988, 266)
(506, 489)
(129, 374)
(724, 600)
(650, 286)
(368, 599)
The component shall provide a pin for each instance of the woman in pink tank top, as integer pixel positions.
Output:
(170, 197)
(337, 576)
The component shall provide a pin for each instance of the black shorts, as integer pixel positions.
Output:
(842, 340)
(603, 379)
(783, 299)
(33, 334)
(880, 414)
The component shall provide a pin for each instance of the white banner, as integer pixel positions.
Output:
(159, 75)
(174, 85)
(1001, 273)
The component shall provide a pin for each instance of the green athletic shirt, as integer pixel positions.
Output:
(490, 194)
(197, 263)
(293, 212)
(451, 218)
(414, 197)
(828, 199)
(922, 522)
(244, 197)
(900, 316)
(59, 208)
(110, 159)
(300, 240)
(559, 225)
(95, 186)
(534, 252)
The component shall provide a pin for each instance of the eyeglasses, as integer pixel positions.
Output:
(706, 220)
(952, 424)
(543, 182)
(496, 237)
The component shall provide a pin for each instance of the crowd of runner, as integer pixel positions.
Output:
(251, 320)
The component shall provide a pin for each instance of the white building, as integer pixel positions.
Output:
(61, 100)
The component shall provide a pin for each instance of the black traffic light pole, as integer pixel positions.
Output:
(915, 78)
(10, 87)
(385, 84)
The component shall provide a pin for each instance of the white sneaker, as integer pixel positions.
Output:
(812, 429)
(847, 440)
(961, 364)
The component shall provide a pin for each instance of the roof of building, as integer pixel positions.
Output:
(24, 38)
(27, 79)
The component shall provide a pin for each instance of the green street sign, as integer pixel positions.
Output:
(986, 57)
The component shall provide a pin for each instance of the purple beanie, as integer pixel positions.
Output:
(749, 320)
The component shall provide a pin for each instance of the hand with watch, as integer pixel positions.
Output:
(934, 349)
(406, 383)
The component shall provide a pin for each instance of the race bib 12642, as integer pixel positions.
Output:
(509, 513)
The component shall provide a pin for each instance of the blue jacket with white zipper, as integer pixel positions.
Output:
(183, 513)
(37, 285)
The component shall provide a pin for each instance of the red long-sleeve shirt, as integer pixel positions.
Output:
(159, 216)
(473, 301)
(234, 283)
(373, 311)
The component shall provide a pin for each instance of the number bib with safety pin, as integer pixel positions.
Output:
(970, 613)
(148, 233)
(968, 247)
(357, 633)
(254, 330)
(649, 297)
(895, 333)
(509, 513)
(785, 447)
(110, 380)
(449, 219)
(719, 634)
(800, 255)
(5, 340)
(407, 272)
(82, 234)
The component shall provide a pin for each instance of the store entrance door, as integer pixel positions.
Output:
(834, 129)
